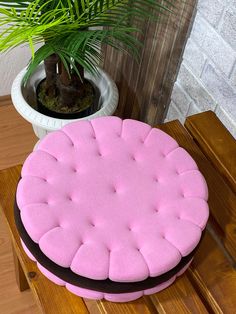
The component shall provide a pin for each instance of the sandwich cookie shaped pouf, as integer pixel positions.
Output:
(111, 209)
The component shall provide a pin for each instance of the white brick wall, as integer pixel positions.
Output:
(207, 75)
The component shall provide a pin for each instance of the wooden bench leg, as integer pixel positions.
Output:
(20, 276)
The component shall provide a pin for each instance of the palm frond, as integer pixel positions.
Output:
(64, 26)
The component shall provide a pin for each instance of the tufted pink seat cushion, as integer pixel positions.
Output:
(116, 192)
(97, 295)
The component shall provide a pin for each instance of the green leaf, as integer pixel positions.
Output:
(64, 27)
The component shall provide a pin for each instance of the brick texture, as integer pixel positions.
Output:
(195, 89)
(233, 76)
(215, 47)
(194, 57)
(211, 10)
(207, 75)
(174, 113)
(181, 98)
(228, 26)
(218, 86)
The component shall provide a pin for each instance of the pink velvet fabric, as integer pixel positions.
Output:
(96, 295)
(113, 199)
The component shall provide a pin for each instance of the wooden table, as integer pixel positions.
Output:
(210, 283)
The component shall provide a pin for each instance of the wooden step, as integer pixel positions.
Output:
(216, 142)
(222, 200)
(209, 286)
(212, 273)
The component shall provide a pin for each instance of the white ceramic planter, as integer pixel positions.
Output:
(24, 100)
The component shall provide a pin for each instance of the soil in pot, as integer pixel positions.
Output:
(86, 103)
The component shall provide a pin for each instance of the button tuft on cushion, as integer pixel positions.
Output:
(114, 189)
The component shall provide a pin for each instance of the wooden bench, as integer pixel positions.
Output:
(210, 283)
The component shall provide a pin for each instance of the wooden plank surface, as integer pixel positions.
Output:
(180, 297)
(222, 200)
(106, 307)
(51, 298)
(216, 142)
(145, 87)
(19, 272)
(39, 283)
(55, 299)
(12, 301)
(212, 274)
(205, 288)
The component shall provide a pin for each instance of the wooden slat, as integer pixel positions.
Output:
(180, 297)
(11, 299)
(44, 290)
(211, 273)
(105, 307)
(145, 87)
(214, 276)
(216, 142)
(222, 200)
(215, 282)
(51, 298)
(185, 296)
(14, 146)
(21, 280)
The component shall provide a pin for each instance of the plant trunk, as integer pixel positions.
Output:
(50, 64)
(70, 88)
(60, 83)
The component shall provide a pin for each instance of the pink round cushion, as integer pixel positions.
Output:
(116, 193)
(97, 295)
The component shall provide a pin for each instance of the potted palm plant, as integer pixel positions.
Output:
(62, 81)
